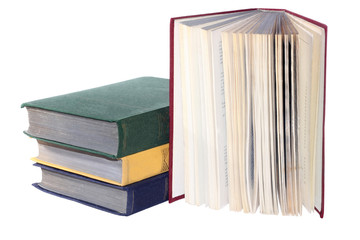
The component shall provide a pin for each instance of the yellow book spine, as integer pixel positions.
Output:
(145, 164)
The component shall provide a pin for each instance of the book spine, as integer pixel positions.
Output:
(145, 164)
(147, 195)
(143, 131)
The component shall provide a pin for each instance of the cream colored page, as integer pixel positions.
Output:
(227, 65)
(213, 40)
(197, 125)
(186, 75)
(304, 99)
(208, 58)
(209, 77)
(280, 123)
(220, 107)
(294, 125)
(199, 118)
(234, 83)
(178, 172)
(270, 86)
(287, 129)
(244, 115)
(220, 116)
(178, 129)
(257, 115)
(236, 121)
(208, 125)
(319, 133)
(316, 104)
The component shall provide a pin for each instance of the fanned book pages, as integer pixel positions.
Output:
(247, 104)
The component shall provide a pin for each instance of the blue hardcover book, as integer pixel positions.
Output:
(104, 196)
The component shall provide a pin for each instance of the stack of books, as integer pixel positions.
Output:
(106, 147)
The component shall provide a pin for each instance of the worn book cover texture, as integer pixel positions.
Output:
(139, 107)
(140, 195)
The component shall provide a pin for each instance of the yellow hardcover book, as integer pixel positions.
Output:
(121, 172)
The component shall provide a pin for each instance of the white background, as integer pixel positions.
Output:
(49, 48)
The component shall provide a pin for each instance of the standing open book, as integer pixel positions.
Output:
(247, 105)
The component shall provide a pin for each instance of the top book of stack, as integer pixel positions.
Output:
(114, 121)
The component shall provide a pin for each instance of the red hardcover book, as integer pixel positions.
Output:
(176, 177)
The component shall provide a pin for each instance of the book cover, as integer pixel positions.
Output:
(175, 192)
(131, 199)
(139, 108)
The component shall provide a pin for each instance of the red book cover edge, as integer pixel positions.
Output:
(171, 103)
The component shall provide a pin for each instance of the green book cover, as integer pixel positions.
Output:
(139, 107)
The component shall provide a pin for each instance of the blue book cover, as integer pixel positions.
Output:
(114, 199)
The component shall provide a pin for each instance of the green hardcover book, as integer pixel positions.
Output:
(114, 120)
